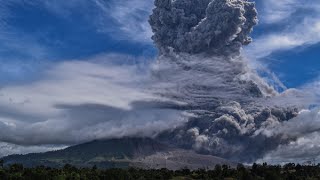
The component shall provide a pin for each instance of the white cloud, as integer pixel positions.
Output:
(78, 101)
(299, 22)
(302, 150)
(300, 136)
(306, 33)
(125, 20)
(131, 15)
(8, 149)
(276, 10)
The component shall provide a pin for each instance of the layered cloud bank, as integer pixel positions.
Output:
(81, 101)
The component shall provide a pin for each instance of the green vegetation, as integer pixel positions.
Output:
(69, 172)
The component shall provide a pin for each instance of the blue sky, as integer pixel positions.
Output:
(37, 34)
(48, 51)
(287, 39)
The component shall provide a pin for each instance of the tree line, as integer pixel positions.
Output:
(224, 172)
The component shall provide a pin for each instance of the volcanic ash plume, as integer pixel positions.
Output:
(196, 26)
(200, 64)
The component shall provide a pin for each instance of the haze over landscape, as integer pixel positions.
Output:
(188, 80)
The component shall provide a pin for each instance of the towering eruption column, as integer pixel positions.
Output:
(200, 64)
(207, 36)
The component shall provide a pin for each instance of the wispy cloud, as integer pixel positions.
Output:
(300, 26)
(78, 101)
(131, 15)
(306, 33)
(276, 11)
(8, 149)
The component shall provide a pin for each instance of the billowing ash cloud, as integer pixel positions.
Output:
(200, 65)
(196, 26)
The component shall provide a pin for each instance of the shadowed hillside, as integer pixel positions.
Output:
(144, 153)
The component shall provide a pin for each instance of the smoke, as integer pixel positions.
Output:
(237, 115)
(198, 79)
(196, 26)
(303, 132)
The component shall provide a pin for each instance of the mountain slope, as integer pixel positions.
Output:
(120, 153)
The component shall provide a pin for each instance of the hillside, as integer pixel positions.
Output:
(120, 153)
